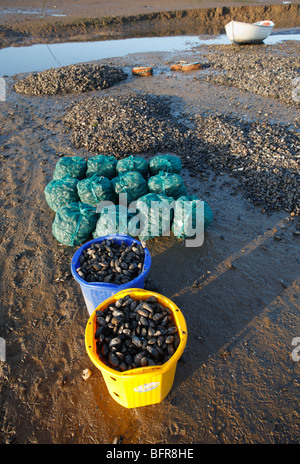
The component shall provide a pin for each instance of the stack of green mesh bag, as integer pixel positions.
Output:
(173, 209)
(87, 196)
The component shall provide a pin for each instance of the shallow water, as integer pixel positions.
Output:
(30, 11)
(15, 60)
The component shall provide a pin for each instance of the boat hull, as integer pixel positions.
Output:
(245, 33)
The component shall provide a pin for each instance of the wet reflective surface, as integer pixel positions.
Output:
(30, 11)
(14, 60)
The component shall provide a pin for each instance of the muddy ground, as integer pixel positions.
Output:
(26, 22)
(237, 382)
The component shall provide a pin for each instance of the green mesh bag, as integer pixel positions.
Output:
(132, 183)
(133, 163)
(70, 166)
(74, 223)
(208, 215)
(185, 224)
(95, 189)
(112, 220)
(169, 184)
(102, 165)
(60, 192)
(156, 215)
(165, 163)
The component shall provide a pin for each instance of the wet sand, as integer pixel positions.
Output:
(237, 382)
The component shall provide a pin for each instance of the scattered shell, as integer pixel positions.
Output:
(264, 157)
(253, 69)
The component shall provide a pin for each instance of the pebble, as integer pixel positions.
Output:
(86, 374)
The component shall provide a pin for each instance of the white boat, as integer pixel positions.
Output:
(246, 33)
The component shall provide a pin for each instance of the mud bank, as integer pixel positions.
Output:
(22, 29)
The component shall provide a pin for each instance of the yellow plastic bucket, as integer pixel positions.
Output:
(144, 385)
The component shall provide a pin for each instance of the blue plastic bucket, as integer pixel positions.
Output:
(95, 293)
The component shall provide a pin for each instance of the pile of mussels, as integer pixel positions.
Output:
(133, 333)
(75, 78)
(111, 262)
